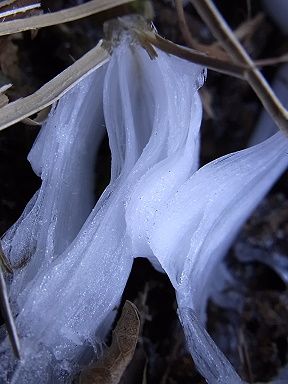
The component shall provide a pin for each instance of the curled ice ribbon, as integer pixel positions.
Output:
(157, 205)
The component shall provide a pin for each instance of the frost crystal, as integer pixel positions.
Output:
(72, 262)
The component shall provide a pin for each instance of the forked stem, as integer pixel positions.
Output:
(222, 32)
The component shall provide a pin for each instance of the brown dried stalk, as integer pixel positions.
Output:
(7, 313)
(4, 87)
(4, 262)
(183, 24)
(247, 28)
(272, 60)
(63, 16)
(5, 3)
(197, 57)
(17, 10)
(59, 85)
(54, 89)
(227, 38)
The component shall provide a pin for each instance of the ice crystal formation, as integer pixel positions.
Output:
(72, 256)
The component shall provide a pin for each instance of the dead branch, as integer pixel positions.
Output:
(7, 313)
(196, 57)
(54, 89)
(63, 16)
(183, 24)
(227, 38)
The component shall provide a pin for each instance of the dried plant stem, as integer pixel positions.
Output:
(14, 11)
(227, 38)
(7, 313)
(272, 60)
(197, 57)
(4, 87)
(183, 24)
(54, 89)
(63, 16)
(4, 3)
(4, 262)
(212, 50)
(248, 27)
(215, 49)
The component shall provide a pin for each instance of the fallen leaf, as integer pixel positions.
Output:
(110, 368)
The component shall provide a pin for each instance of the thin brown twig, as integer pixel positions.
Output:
(4, 262)
(244, 354)
(225, 35)
(272, 60)
(183, 24)
(249, 26)
(4, 87)
(214, 50)
(15, 11)
(5, 3)
(59, 17)
(7, 313)
(249, 9)
(196, 57)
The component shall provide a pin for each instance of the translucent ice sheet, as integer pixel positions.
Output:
(158, 205)
(64, 156)
(73, 284)
(191, 225)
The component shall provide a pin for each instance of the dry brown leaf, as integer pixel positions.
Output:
(110, 368)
